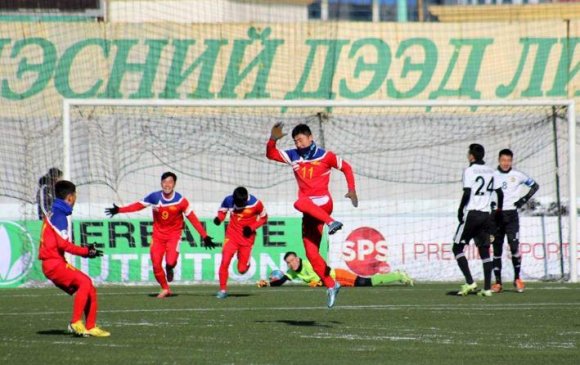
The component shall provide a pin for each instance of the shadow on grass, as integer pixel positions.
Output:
(291, 322)
(239, 295)
(54, 333)
(190, 294)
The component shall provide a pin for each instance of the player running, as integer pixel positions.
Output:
(302, 270)
(169, 207)
(55, 240)
(312, 165)
(510, 181)
(247, 214)
(478, 187)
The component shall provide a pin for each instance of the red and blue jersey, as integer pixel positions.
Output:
(253, 215)
(56, 234)
(167, 214)
(312, 172)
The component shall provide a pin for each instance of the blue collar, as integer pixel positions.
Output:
(61, 206)
(307, 152)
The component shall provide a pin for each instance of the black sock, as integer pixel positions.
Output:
(462, 261)
(464, 267)
(487, 268)
(516, 260)
(497, 270)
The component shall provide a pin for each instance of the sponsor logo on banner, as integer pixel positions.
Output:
(365, 252)
(16, 253)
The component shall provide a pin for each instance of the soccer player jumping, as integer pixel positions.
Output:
(169, 207)
(312, 165)
(55, 240)
(247, 214)
(510, 181)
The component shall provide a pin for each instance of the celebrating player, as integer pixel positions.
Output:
(55, 240)
(169, 207)
(312, 165)
(478, 187)
(302, 270)
(247, 214)
(510, 181)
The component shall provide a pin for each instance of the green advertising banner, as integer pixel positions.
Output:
(126, 251)
(45, 62)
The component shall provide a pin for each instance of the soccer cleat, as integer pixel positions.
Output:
(98, 332)
(484, 293)
(334, 227)
(164, 293)
(331, 294)
(221, 294)
(78, 329)
(496, 288)
(520, 286)
(467, 288)
(406, 279)
(169, 273)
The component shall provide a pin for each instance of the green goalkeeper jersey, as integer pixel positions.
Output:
(306, 273)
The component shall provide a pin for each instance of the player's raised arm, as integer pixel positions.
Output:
(272, 152)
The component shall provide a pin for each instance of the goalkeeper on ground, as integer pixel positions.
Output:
(302, 270)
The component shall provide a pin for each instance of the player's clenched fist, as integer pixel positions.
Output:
(277, 132)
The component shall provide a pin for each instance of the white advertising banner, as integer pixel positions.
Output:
(422, 246)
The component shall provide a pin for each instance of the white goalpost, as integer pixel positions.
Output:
(408, 158)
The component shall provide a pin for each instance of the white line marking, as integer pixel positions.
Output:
(435, 307)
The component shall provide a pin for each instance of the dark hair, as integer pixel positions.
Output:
(301, 129)
(477, 151)
(240, 196)
(54, 173)
(506, 152)
(169, 174)
(289, 253)
(64, 188)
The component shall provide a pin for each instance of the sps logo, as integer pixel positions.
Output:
(365, 252)
(17, 253)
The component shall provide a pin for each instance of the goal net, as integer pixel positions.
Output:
(408, 160)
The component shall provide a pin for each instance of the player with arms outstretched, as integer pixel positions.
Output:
(474, 218)
(510, 181)
(299, 269)
(55, 240)
(312, 166)
(246, 214)
(169, 207)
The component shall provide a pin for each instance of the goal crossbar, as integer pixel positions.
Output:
(258, 103)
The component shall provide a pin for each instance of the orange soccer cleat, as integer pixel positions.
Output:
(520, 286)
(496, 288)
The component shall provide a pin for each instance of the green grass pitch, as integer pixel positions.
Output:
(291, 325)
